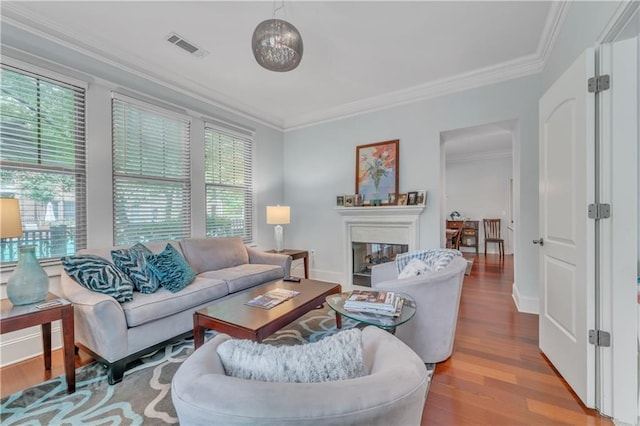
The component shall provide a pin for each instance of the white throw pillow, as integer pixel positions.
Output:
(336, 357)
(414, 268)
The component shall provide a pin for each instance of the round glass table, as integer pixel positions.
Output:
(336, 302)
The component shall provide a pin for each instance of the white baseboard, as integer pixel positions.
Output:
(24, 344)
(328, 276)
(529, 305)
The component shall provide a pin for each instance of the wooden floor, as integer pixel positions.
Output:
(496, 375)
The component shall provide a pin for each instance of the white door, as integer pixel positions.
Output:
(618, 236)
(567, 292)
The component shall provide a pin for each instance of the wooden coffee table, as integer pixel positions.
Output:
(233, 317)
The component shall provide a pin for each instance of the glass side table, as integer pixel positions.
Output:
(336, 302)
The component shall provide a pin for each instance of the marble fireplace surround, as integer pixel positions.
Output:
(383, 224)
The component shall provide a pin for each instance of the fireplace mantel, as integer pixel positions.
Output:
(379, 224)
(380, 211)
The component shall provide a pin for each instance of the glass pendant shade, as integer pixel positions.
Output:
(28, 283)
(277, 45)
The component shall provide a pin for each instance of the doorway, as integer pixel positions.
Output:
(477, 181)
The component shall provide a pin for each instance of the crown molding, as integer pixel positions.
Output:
(13, 14)
(522, 67)
(555, 20)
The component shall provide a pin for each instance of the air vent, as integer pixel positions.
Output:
(176, 39)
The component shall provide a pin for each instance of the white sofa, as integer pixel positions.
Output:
(392, 393)
(431, 332)
(118, 333)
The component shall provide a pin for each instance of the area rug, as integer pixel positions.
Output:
(143, 397)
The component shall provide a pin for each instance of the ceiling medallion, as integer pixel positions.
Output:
(277, 44)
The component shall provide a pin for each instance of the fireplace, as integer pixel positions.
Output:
(381, 228)
(367, 255)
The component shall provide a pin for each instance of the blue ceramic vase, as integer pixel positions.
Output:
(29, 283)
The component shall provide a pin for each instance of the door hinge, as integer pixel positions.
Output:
(599, 83)
(599, 211)
(600, 338)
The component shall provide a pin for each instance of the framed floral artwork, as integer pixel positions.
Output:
(377, 169)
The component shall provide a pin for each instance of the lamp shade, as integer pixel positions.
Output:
(278, 215)
(10, 221)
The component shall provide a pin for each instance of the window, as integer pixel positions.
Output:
(228, 180)
(42, 162)
(151, 173)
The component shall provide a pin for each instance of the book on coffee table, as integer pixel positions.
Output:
(272, 298)
(370, 299)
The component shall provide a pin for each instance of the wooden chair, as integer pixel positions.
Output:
(453, 237)
(492, 234)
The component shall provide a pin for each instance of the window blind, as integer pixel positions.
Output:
(229, 183)
(42, 162)
(151, 173)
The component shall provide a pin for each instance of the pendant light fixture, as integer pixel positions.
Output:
(277, 44)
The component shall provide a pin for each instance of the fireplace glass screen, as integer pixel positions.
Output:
(366, 255)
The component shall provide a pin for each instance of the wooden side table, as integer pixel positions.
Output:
(13, 318)
(296, 254)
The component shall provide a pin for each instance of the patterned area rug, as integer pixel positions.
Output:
(143, 397)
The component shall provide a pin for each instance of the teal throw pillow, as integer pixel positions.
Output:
(171, 269)
(98, 274)
(133, 262)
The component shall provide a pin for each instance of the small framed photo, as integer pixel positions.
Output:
(359, 200)
(412, 198)
(391, 198)
(349, 200)
(421, 200)
(402, 199)
(340, 200)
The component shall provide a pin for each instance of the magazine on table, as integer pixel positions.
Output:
(399, 302)
(272, 298)
(379, 300)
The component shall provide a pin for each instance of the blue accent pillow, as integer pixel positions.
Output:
(171, 269)
(133, 262)
(98, 274)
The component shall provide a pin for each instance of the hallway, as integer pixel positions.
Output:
(497, 375)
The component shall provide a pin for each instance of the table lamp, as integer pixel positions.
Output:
(278, 215)
(28, 283)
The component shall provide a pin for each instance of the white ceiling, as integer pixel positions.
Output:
(358, 56)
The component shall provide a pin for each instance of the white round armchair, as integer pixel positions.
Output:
(392, 392)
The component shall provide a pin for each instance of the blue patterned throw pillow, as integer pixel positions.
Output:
(171, 269)
(98, 274)
(133, 262)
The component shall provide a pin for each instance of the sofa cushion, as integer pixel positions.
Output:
(145, 308)
(133, 262)
(337, 357)
(171, 269)
(98, 274)
(211, 254)
(245, 276)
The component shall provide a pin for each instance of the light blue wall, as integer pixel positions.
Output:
(321, 164)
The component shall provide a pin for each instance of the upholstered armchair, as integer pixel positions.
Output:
(431, 332)
(392, 392)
